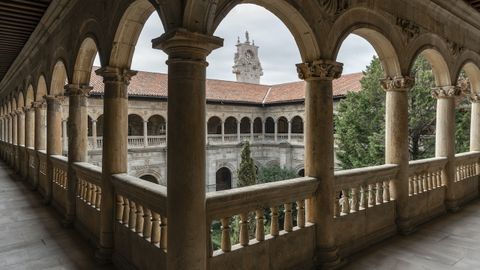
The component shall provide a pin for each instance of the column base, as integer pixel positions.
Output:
(103, 255)
(328, 258)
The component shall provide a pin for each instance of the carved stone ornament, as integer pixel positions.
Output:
(409, 28)
(399, 83)
(454, 47)
(335, 7)
(78, 90)
(474, 97)
(39, 104)
(320, 70)
(446, 92)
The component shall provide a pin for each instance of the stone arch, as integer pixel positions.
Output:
(41, 88)
(135, 125)
(150, 178)
(128, 31)
(439, 67)
(156, 125)
(473, 74)
(297, 125)
(223, 179)
(245, 125)
(59, 79)
(230, 125)
(214, 125)
(374, 28)
(29, 97)
(301, 172)
(257, 125)
(293, 19)
(282, 125)
(84, 62)
(269, 125)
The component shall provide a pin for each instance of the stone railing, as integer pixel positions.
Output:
(136, 141)
(242, 204)
(282, 137)
(466, 165)
(141, 221)
(60, 181)
(160, 140)
(297, 138)
(425, 175)
(359, 189)
(42, 171)
(88, 198)
(32, 165)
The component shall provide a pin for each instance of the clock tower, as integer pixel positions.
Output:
(247, 66)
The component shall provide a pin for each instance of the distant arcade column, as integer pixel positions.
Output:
(40, 141)
(319, 153)
(54, 138)
(475, 122)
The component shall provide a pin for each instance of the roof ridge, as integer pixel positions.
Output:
(266, 95)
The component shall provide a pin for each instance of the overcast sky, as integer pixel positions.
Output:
(278, 52)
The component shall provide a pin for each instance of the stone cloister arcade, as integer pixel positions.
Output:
(338, 213)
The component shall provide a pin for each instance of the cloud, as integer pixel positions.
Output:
(278, 51)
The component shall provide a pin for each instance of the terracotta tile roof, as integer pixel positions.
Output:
(149, 84)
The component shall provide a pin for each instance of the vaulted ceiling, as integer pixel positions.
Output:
(18, 19)
(474, 3)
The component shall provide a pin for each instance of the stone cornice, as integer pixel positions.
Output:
(78, 90)
(116, 75)
(398, 83)
(320, 70)
(446, 92)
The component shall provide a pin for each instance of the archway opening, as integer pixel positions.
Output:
(269, 125)
(282, 123)
(231, 125)
(257, 126)
(245, 125)
(297, 125)
(214, 125)
(223, 179)
(156, 126)
(135, 125)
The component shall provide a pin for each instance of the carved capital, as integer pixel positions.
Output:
(54, 99)
(39, 104)
(474, 97)
(116, 75)
(320, 70)
(446, 92)
(19, 112)
(78, 90)
(399, 83)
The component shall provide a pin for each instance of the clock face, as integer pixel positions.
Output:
(249, 54)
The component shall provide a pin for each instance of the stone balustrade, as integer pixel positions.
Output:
(32, 165)
(242, 204)
(425, 175)
(359, 189)
(42, 171)
(466, 165)
(59, 181)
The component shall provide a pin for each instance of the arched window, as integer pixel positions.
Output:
(269, 125)
(149, 178)
(257, 125)
(282, 125)
(297, 125)
(214, 125)
(156, 126)
(223, 179)
(245, 125)
(301, 173)
(231, 125)
(135, 125)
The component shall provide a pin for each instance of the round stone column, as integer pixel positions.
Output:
(94, 134)
(77, 141)
(445, 139)
(29, 127)
(14, 128)
(397, 144)
(319, 154)
(40, 141)
(475, 122)
(54, 138)
(21, 142)
(114, 157)
(186, 154)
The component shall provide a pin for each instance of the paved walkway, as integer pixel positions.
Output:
(31, 236)
(448, 242)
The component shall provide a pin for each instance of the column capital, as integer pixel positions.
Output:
(39, 104)
(398, 83)
(19, 111)
(181, 44)
(320, 70)
(78, 90)
(474, 97)
(446, 92)
(57, 99)
(116, 75)
(27, 109)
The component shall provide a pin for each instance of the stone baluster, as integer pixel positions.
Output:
(186, 153)
(226, 246)
(386, 191)
(259, 228)
(363, 199)
(288, 220)
(379, 193)
(355, 207)
(147, 223)
(139, 221)
(319, 153)
(126, 211)
(156, 231)
(163, 229)
(371, 195)
(345, 202)
(445, 138)
(274, 228)
(301, 213)
(244, 239)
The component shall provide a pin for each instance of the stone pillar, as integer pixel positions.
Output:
(94, 134)
(319, 153)
(263, 130)
(238, 131)
(40, 142)
(115, 144)
(223, 131)
(54, 138)
(14, 128)
(475, 122)
(145, 133)
(186, 210)
(77, 141)
(289, 130)
(29, 127)
(251, 131)
(396, 143)
(64, 135)
(20, 142)
(445, 138)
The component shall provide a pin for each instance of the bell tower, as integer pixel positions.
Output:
(247, 65)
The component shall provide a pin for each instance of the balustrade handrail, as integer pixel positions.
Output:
(429, 164)
(60, 162)
(468, 156)
(148, 194)
(368, 175)
(91, 172)
(231, 202)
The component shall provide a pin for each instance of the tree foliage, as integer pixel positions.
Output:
(246, 172)
(275, 173)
